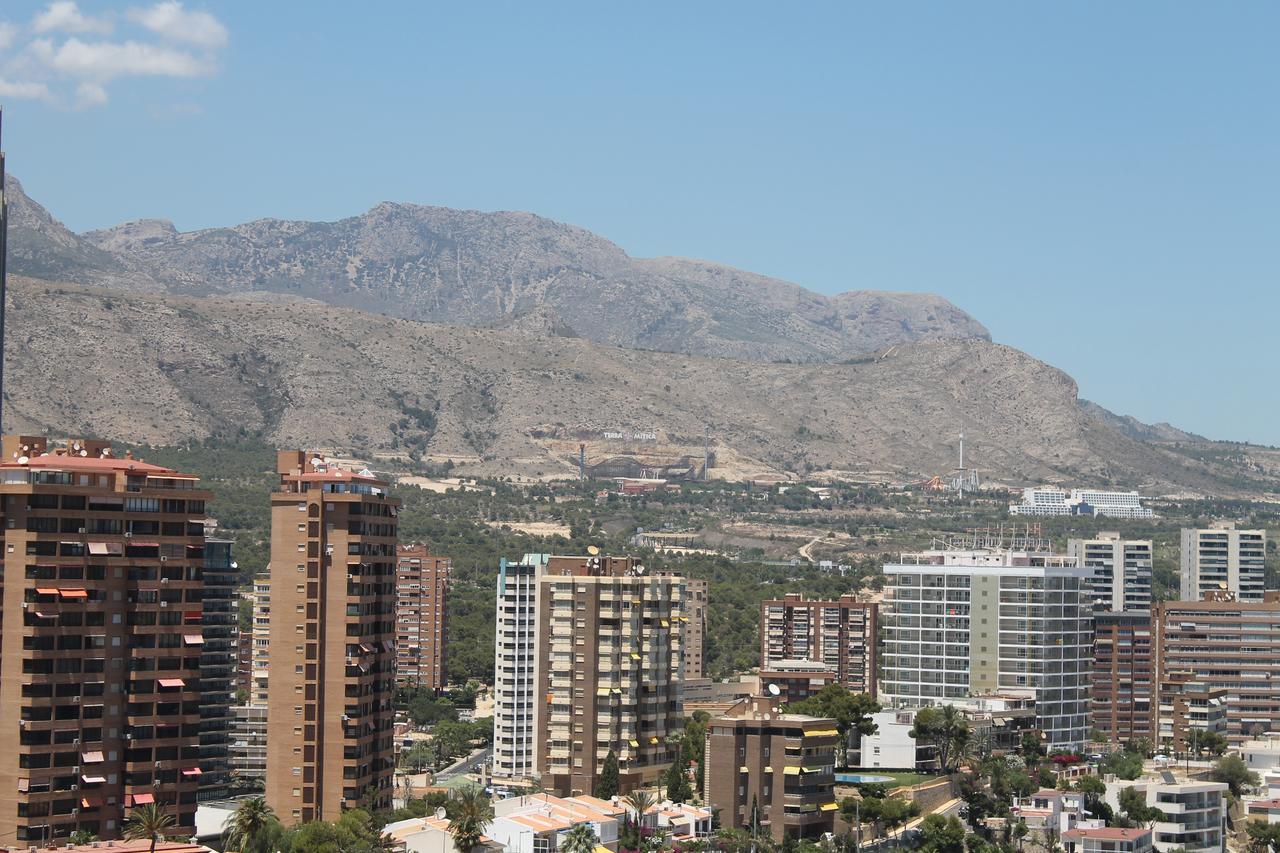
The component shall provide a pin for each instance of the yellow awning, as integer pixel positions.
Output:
(743, 769)
(822, 733)
(602, 691)
(829, 807)
(635, 744)
(791, 771)
(653, 740)
(635, 656)
(665, 623)
(768, 770)
(600, 848)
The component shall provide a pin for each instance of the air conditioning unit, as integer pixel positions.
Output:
(128, 535)
(163, 580)
(76, 770)
(74, 786)
(128, 736)
(164, 559)
(83, 531)
(75, 699)
(75, 742)
(25, 605)
(164, 604)
(22, 724)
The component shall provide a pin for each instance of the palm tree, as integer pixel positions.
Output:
(470, 811)
(148, 822)
(955, 736)
(581, 838)
(637, 803)
(251, 826)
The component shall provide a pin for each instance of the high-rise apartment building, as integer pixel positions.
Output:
(607, 671)
(247, 753)
(1122, 691)
(102, 640)
(332, 654)
(695, 628)
(841, 635)
(1221, 559)
(515, 640)
(217, 664)
(422, 583)
(966, 622)
(772, 769)
(1119, 570)
(1226, 644)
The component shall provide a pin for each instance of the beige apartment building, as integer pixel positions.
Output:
(102, 639)
(607, 671)
(841, 635)
(332, 654)
(422, 585)
(1221, 559)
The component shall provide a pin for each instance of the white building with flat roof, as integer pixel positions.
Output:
(1222, 559)
(1052, 500)
(1119, 570)
(514, 660)
(959, 623)
(1195, 812)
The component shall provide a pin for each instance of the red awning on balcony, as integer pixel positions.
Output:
(93, 780)
(192, 639)
(191, 771)
(46, 590)
(172, 682)
(73, 593)
(138, 799)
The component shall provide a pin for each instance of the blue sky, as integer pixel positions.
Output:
(1099, 183)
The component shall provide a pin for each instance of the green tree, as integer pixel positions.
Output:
(607, 782)
(851, 711)
(947, 731)
(148, 822)
(253, 827)
(1134, 804)
(1020, 831)
(82, 836)
(1262, 837)
(581, 838)
(1199, 741)
(470, 812)
(1124, 765)
(940, 834)
(1232, 770)
(678, 790)
(637, 803)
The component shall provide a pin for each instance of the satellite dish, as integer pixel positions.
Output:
(75, 446)
(106, 451)
(773, 690)
(234, 564)
(1222, 584)
(440, 813)
(84, 452)
(22, 460)
(592, 550)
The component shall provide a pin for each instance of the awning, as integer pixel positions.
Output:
(829, 807)
(46, 590)
(90, 802)
(193, 614)
(136, 544)
(743, 769)
(635, 656)
(768, 770)
(46, 615)
(635, 744)
(93, 780)
(791, 771)
(91, 758)
(24, 784)
(98, 548)
(653, 740)
(73, 593)
(191, 771)
(139, 799)
(366, 648)
(602, 691)
(192, 639)
(191, 547)
(822, 733)
(665, 623)
(172, 682)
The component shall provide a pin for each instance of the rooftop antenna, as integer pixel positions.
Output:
(961, 480)
(4, 254)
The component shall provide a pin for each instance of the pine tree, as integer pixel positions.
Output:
(607, 783)
(677, 783)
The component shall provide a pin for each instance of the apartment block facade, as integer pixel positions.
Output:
(782, 766)
(607, 671)
(695, 628)
(970, 622)
(1122, 692)
(422, 584)
(1223, 559)
(332, 653)
(1119, 570)
(515, 642)
(102, 639)
(841, 635)
(1233, 645)
(217, 664)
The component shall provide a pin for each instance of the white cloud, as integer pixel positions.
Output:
(55, 60)
(19, 89)
(105, 60)
(65, 16)
(171, 21)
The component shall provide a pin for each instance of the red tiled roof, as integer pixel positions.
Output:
(1107, 833)
(90, 463)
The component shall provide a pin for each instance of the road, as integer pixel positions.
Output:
(463, 766)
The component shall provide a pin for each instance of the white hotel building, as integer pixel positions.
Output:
(959, 623)
(1051, 500)
(514, 656)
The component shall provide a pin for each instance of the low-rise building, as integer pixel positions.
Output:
(1107, 839)
(1052, 500)
(892, 746)
(538, 823)
(797, 680)
(1195, 812)
(1050, 809)
(430, 835)
(781, 767)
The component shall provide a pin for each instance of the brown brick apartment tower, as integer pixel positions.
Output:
(839, 634)
(100, 680)
(422, 584)
(331, 670)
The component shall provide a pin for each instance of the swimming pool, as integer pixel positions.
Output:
(863, 779)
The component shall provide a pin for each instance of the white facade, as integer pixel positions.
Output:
(539, 823)
(1051, 500)
(892, 746)
(514, 662)
(1221, 559)
(1120, 570)
(1197, 813)
(961, 623)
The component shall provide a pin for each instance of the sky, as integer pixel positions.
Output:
(1097, 182)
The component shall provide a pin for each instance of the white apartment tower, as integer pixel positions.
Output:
(514, 748)
(1119, 570)
(1221, 559)
(959, 623)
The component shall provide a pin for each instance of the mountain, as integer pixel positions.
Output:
(479, 269)
(162, 369)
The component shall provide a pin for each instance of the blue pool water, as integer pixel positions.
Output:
(863, 779)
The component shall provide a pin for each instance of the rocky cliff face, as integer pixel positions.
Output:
(480, 269)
